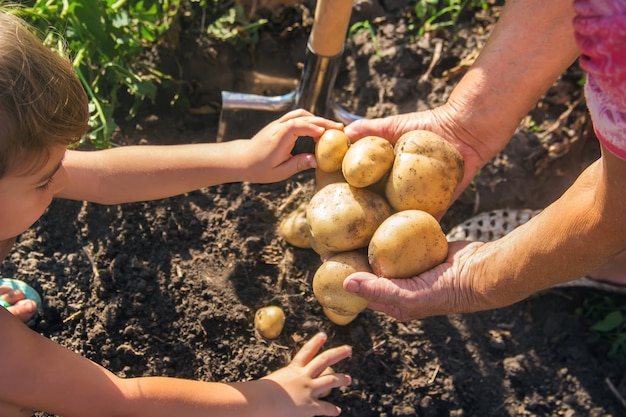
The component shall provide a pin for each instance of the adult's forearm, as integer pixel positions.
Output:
(531, 45)
(575, 235)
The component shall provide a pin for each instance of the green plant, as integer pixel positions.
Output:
(435, 14)
(105, 39)
(608, 317)
(365, 26)
(235, 27)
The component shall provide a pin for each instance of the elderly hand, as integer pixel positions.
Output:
(447, 288)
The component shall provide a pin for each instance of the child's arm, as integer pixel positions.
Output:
(39, 374)
(141, 173)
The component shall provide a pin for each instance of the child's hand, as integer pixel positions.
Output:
(302, 385)
(268, 153)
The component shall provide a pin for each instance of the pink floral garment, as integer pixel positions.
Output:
(600, 30)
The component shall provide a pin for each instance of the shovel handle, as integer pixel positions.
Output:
(330, 27)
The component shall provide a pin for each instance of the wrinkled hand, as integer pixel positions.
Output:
(268, 153)
(442, 121)
(448, 288)
(302, 383)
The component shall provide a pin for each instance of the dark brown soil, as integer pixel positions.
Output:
(170, 287)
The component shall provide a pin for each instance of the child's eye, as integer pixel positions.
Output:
(46, 185)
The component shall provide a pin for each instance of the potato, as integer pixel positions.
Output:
(425, 173)
(295, 229)
(330, 149)
(321, 250)
(323, 178)
(269, 321)
(342, 218)
(406, 244)
(340, 306)
(367, 161)
(328, 371)
(339, 319)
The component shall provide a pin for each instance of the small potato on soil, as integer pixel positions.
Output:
(269, 321)
(340, 306)
(425, 173)
(367, 161)
(295, 229)
(344, 218)
(406, 244)
(330, 149)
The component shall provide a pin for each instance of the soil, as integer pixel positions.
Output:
(170, 287)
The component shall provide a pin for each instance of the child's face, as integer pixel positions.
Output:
(24, 198)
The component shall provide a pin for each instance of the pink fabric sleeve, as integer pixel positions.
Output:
(600, 30)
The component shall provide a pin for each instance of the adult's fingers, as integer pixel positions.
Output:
(383, 295)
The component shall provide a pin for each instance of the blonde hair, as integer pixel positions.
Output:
(42, 102)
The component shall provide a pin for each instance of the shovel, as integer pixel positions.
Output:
(243, 115)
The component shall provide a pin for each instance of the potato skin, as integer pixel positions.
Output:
(367, 161)
(330, 149)
(328, 285)
(406, 244)
(425, 173)
(294, 228)
(323, 178)
(269, 321)
(343, 218)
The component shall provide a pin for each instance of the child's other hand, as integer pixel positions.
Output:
(269, 151)
(302, 384)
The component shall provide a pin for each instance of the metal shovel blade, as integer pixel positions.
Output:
(243, 115)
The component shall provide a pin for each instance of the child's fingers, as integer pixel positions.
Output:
(328, 358)
(294, 114)
(324, 408)
(325, 383)
(310, 118)
(10, 295)
(305, 126)
(309, 350)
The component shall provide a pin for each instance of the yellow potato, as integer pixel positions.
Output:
(339, 305)
(323, 178)
(330, 149)
(328, 371)
(339, 319)
(367, 161)
(321, 250)
(295, 229)
(425, 173)
(406, 244)
(269, 321)
(343, 218)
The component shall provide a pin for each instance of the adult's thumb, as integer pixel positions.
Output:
(368, 286)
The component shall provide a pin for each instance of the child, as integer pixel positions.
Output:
(43, 109)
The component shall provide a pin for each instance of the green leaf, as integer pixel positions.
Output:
(610, 322)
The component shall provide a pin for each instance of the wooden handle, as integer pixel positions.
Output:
(330, 27)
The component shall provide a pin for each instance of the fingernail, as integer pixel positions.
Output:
(352, 286)
(30, 307)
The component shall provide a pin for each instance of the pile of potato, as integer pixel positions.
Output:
(375, 210)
